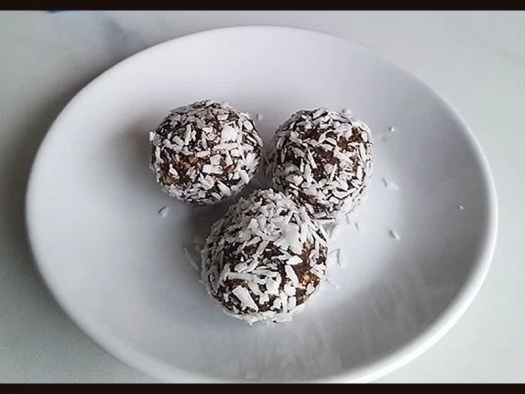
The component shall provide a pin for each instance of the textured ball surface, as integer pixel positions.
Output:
(264, 259)
(323, 160)
(205, 152)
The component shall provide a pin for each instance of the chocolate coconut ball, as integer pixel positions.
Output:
(264, 259)
(205, 152)
(323, 160)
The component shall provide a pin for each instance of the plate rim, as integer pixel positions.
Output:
(375, 369)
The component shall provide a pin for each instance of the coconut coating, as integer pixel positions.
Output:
(205, 152)
(265, 258)
(323, 160)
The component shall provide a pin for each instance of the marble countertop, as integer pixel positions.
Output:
(475, 59)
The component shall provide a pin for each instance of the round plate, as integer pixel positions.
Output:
(118, 267)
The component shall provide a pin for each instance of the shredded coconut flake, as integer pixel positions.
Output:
(164, 211)
(191, 259)
(394, 235)
(244, 296)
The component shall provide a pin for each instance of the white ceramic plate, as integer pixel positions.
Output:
(118, 268)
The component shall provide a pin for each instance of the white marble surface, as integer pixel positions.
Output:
(475, 59)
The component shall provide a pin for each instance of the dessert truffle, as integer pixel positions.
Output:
(205, 151)
(264, 258)
(323, 160)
